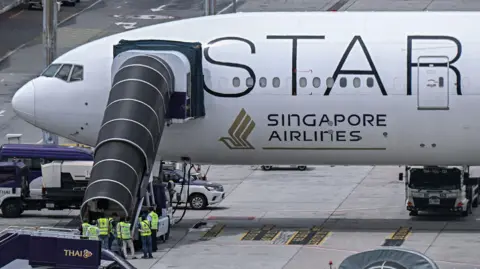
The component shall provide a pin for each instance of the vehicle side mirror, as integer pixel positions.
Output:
(400, 176)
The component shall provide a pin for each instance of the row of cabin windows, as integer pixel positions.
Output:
(303, 82)
(66, 72)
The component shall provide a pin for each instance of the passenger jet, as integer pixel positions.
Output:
(356, 88)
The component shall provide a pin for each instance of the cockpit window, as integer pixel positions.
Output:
(64, 72)
(51, 70)
(77, 73)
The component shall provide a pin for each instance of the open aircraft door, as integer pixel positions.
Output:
(433, 83)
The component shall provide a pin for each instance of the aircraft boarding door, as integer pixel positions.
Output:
(432, 83)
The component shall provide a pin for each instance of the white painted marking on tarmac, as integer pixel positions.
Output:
(160, 8)
(2, 112)
(144, 17)
(16, 14)
(126, 25)
(227, 7)
(40, 141)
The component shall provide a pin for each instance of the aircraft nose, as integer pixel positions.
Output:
(23, 102)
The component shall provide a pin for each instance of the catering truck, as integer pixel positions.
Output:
(63, 187)
(436, 188)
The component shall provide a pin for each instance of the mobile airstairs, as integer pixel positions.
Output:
(56, 248)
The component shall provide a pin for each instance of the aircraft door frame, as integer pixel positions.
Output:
(433, 83)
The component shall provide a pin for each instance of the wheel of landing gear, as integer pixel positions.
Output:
(302, 167)
(475, 202)
(266, 167)
(413, 213)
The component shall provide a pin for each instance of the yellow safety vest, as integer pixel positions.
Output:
(145, 228)
(154, 217)
(110, 224)
(85, 227)
(103, 226)
(125, 230)
(92, 233)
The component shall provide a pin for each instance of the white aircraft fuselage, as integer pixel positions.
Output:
(354, 88)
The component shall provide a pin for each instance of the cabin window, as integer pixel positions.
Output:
(316, 82)
(303, 82)
(64, 72)
(440, 82)
(343, 82)
(236, 82)
(276, 82)
(330, 82)
(370, 82)
(263, 82)
(77, 73)
(51, 70)
(356, 82)
(249, 82)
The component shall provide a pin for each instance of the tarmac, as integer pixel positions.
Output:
(352, 208)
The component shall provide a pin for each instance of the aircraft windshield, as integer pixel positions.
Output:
(446, 179)
(51, 70)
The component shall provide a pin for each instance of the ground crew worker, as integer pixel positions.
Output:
(153, 219)
(124, 233)
(93, 231)
(146, 236)
(112, 225)
(104, 231)
(84, 229)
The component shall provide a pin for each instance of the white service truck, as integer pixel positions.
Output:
(435, 188)
(63, 187)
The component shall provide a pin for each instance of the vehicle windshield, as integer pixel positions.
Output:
(435, 179)
(7, 174)
(180, 175)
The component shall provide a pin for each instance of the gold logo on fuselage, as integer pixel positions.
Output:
(239, 131)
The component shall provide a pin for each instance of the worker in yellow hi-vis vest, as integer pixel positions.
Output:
(103, 225)
(153, 219)
(112, 223)
(124, 234)
(84, 229)
(146, 236)
(93, 231)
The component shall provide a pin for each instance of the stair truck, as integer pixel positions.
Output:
(63, 187)
(438, 188)
(134, 119)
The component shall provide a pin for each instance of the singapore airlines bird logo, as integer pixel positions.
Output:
(239, 131)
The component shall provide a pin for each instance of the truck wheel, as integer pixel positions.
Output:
(266, 167)
(413, 213)
(12, 208)
(198, 201)
(302, 167)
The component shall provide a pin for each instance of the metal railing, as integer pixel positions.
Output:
(41, 231)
